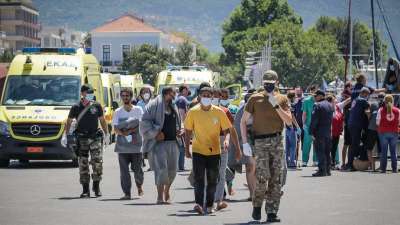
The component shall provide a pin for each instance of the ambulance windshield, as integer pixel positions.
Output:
(42, 90)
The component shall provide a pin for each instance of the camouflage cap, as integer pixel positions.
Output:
(270, 76)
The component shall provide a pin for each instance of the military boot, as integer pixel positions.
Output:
(273, 218)
(256, 213)
(85, 191)
(96, 188)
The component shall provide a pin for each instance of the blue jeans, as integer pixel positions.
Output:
(290, 147)
(181, 160)
(388, 139)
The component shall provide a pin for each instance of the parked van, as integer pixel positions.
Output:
(111, 97)
(133, 82)
(41, 86)
(191, 76)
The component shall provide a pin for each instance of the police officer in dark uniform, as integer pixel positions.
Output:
(320, 127)
(89, 138)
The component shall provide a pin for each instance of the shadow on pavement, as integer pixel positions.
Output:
(187, 202)
(237, 200)
(248, 223)
(68, 198)
(187, 213)
(42, 165)
(117, 199)
(185, 188)
(144, 204)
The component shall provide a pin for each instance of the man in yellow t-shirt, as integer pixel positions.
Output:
(205, 122)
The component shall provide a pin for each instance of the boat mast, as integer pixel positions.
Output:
(348, 44)
(374, 41)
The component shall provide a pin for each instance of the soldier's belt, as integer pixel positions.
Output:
(267, 135)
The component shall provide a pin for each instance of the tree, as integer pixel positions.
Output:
(299, 57)
(258, 13)
(362, 36)
(184, 54)
(148, 60)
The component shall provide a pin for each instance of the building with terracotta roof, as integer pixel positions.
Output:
(112, 40)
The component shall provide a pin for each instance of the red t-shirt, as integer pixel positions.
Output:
(388, 122)
(337, 122)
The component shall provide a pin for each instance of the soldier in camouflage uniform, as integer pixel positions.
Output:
(88, 113)
(270, 111)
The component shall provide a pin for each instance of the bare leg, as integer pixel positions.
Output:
(166, 193)
(160, 192)
(371, 160)
(344, 154)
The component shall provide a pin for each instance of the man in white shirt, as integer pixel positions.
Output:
(128, 144)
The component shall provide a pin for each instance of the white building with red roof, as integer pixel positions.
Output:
(112, 40)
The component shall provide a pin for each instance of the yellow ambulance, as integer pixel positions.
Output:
(191, 76)
(111, 97)
(133, 82)
(41, 86)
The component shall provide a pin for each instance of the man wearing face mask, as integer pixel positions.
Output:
(205, 122)
(270, 111)
(88, 113)
(161, 131)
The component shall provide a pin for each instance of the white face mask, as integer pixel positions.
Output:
(89, 97)
(392, 67)
(224, 102)
(215, 101)
(146, 96)
(206, 101)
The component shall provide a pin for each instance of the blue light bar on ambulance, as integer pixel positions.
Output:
(49, 50)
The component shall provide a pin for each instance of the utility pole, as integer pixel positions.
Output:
(348, 44)
(374, 38)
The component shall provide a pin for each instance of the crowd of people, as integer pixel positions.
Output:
(168, 127)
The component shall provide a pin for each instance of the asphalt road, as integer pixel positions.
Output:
(48, 193)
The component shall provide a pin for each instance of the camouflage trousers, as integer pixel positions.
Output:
(94, 147)
(268, 155)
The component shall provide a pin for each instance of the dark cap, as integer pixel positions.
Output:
(319, 92)
(86, 88)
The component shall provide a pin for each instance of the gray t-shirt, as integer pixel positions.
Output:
(125, 120)
(372, 120)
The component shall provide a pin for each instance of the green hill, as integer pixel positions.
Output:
(201, 19)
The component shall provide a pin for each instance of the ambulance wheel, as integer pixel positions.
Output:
(4, 163)
(75, 162)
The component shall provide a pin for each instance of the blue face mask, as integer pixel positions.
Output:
(89, 97)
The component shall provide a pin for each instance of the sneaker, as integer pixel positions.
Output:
(304, 164)
(210, 210)
(198, 209)
(221, 205)
(256, 213)
(273, 218)
(125, 197)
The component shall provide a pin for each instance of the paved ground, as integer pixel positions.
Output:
(47, 193)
